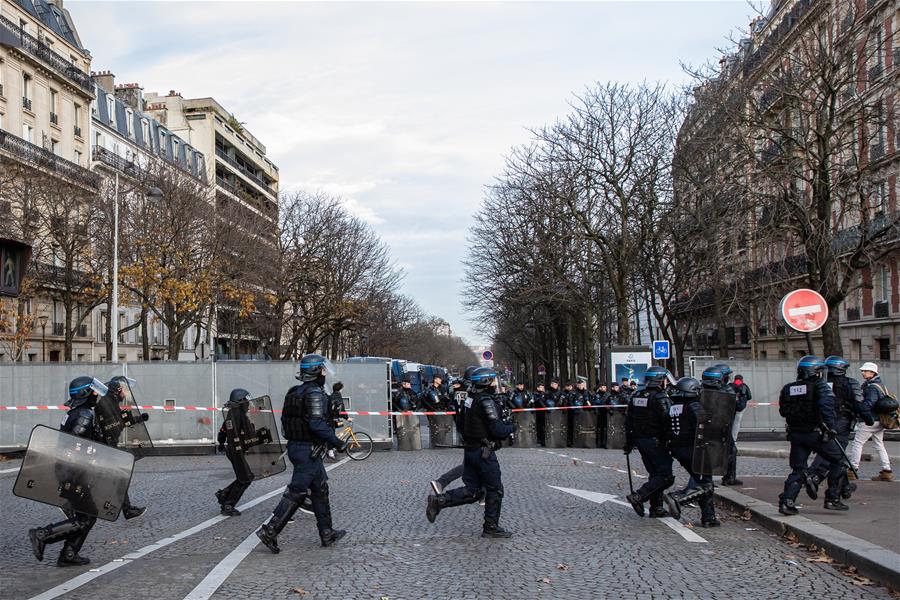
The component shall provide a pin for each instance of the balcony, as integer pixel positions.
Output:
(42, 52)
(54, 119)
(46, 160)
(244, 171)
(26, 103)
(58, 329)
(853, 314)
(77, 131)
(101, 154)
(882, 310)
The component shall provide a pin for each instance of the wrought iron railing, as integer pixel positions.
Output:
(44, 159)
(245, 171)
(46, 55)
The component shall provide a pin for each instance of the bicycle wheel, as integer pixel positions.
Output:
(361, 448)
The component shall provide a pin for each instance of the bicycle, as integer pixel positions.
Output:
(360, 446)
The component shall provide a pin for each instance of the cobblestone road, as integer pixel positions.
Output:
(565, 546)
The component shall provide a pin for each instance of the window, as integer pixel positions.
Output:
(77, 116)
(129, 122)
(884, 348)
(174, 149)
(162, 143)
(54, 146)
(77, 158)
(111, 109)
(98, 140)
(27, 133)
(145, 131)
(26, 91)
(884, 277)
(54, 106)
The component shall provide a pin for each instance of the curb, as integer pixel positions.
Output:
(873, 561)
(785, 454)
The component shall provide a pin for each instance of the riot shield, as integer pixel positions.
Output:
(75, 474)
(440, 429)
(122, 422)
(712, 443)
(256, 436)
(526, 429)
(585, 435)
(555, 429)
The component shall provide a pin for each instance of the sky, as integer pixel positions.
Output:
(403, 110)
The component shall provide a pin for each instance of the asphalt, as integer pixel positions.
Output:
(781, 449)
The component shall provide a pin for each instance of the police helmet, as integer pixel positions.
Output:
(85, 390)
(467, 374)
(714, 377)
(239, 396)
(837, 365)
(726, 372)
(686, 387)
(655, 376)
(810, 367)
(484, 377)
(312, 366)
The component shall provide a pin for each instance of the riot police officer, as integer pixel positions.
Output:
(725, 384)
(116, 396)
(461, 392)
(84, 392)
(847, 398)
(484, 431)
(553, 396)
(405, 399)
(240, 426)
(521, 398)
(647, 428)
(434, 398)
(808, 407)
(684, 415)
(306, 422)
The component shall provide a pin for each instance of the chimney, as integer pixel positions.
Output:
(105, 79)
(57, 3)
(131, 94)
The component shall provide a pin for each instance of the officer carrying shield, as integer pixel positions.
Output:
(306, 422)
(114, 421)
(237, 429)
(807, 406)
(484, 431)
(647, 428)
(79, 421)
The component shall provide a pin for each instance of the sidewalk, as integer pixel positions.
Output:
(782, 450)
(866, 537)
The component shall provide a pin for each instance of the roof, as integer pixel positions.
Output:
(53, 18)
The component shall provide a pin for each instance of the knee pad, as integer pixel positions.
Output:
(670, 480)
(500, 492)
(478, 496)
(294, 495)
(321, 491)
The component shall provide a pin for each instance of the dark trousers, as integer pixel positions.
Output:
(658, 463)
(450, 476)
(802, 445)
(481, 478)
(309, 474)
(820, 466)
(731, 469)
(243, 478)
(685, 456)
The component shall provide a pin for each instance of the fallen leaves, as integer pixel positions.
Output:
(820, 557)
(544, 579)
(747, 515)
(562, 567)
(299, 591)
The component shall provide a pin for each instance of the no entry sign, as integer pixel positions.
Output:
(804, 310)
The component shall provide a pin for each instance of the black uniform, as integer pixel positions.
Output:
(237, 429)
(647, 428)
(847, 399)
(306, 421)
(806, 405)
(520, 399)
(405, 399)
(684, 415)
(484, 430)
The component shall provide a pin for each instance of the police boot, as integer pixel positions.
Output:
(811, 482)
(847, 490)
(222, 496)
(731, 481)
(493, 530)
(712, 522)
(268, 533)
(330, 536)
(637, 503)
(69, 556)
(129, 511)
(656, 506)
(787, 507)
(229, 511)
(435, 503)
(835, 504)
(41, 536)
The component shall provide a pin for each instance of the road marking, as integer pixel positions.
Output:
(679, 528)
(9, 470)
(84, 578)
(217, 576)
(600, 498)
(588, 462)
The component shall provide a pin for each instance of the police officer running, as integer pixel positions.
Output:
(847, 398)
(484, 431)
(237, 428)
(306, 423)
(808, 406)
(647, 429)
(79, 421)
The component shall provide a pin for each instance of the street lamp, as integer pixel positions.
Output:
(43, 321)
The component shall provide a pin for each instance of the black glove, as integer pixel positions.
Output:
(869, 420)
(145, 417)
(338, 386)
(830, 433)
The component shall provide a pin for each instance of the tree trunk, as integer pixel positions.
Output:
(145, 335)
(67, 346)
(831, 333)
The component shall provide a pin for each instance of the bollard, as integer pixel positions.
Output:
(585, 435)
(406, 430)
(615, 429)
(440, 428)
(555, 429)
(526, 430)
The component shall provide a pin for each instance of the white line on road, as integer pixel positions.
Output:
(679, 528)
(227, 565)
(9, 470)
(84, 578)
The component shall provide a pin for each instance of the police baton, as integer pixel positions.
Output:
(827, 431)
(628, 462)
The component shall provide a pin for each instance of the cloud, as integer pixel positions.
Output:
(405, 110)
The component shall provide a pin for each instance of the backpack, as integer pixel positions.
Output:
(886, 409)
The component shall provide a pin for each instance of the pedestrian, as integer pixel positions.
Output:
(848, 402)
(306, 423)
(647, 428)
(874, 393)
(807, 406)
(484, 431)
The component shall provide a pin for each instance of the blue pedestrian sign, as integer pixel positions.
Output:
(661, 350)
